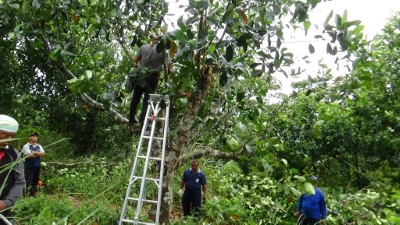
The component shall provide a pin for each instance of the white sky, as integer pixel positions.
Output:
(374, 14)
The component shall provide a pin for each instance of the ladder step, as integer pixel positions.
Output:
(143, 200)
(137, 222)
(157, 138)
(152, 158)
(157, 118)
(148, 178)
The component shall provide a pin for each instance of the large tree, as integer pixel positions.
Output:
(225, 55)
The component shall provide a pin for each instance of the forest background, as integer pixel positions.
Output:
(63, 71)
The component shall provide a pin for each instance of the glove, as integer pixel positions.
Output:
(180, 192)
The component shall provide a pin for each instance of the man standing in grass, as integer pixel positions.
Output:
(33, 152)
(193, 180)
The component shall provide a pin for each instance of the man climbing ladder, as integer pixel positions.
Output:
(149, 63)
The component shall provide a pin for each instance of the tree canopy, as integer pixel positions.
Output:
(63, 71)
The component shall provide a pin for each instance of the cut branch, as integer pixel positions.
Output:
(76, 163)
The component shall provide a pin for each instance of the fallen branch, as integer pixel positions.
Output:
(77, 163)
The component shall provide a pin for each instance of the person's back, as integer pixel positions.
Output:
(313, 205)
(150, 63)
(150, 58)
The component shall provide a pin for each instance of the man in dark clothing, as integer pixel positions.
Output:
(313, 207)
(193, 180)
(33, 152)
(13, 175)
(149, 63)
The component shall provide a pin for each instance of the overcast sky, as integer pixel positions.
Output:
(374, 14)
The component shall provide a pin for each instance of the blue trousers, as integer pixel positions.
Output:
(191, 203)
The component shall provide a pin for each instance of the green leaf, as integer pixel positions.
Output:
(300, 178)
(73, 80)
(306, 25)
(242, 40)
(240, 96)
(193, 42)
(229, 53)
(90, 29)
(24, 5)
(14, 5)
(93, 21)
(180, 35)
(329, 48)
(358, 29)
(88, 74)
(189, 34)
(284, 161)
(319, 123)
(52, 54)
(326, 22)
(250, 148)
(227, 16)
(295, 191)
(223, 79)
(338, 21)
(211, 49)
(64, 52)
(309, 188)
(311, 48)
(181, 24)
(344, 17)
(83, 2)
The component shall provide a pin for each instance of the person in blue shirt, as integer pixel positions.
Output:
(313, 207)
(193, 181)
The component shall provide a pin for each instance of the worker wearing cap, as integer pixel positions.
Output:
(313, 207)
(13, 177)
(33, 152)
(150, 61)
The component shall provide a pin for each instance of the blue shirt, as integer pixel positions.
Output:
(194, 181)
(313, 206)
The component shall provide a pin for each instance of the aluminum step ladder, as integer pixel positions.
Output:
(142, 188)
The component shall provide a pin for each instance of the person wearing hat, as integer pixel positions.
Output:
(33, 152)
(13, 177)
(149, 63)
(313, 207)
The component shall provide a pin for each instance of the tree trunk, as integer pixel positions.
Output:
(172, 163)
(180, 144)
